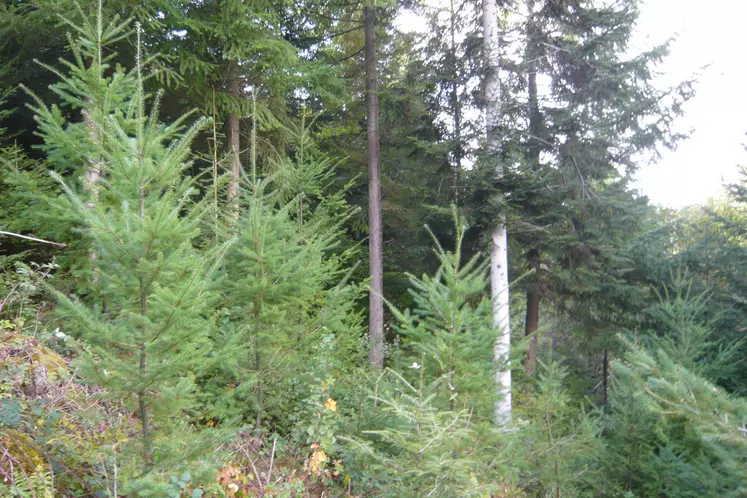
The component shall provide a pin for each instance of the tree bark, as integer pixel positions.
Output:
(93, 172)
(233, 134)
(455, 107)
(376, 301)
(605, 374)
(91, 178)
(533, 309)
(532, 55)
(499, 236)
(533, 159)
(142, 395)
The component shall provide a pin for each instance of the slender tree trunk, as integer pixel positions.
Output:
(233, 133)
(499, 236)
(93, 172)
(533, 159)
(142, 394)
(605, 374)
(91, 179)
(376, 297)
(260, 393)
(455, 108)
(533, 309)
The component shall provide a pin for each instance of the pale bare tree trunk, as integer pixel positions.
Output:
(93, 174)
(233, 130)
(499, 236)
(376, 301)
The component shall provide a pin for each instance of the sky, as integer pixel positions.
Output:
(707, 34)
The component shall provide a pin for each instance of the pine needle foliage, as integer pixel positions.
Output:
(562, 441)
(425, 450)
(427, 427)
(288, 291)
(684, 333)
(148, 338)
(450, 326)
(91, 82)
(675, 391)
(671, 431)
(92, 88)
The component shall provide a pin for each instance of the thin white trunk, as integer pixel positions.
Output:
(499, 238)
(376, 265)
(233, 132)
(93, 172)
(499, 292)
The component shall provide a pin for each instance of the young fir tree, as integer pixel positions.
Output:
(450, 324)
(562, 441)
(428, 428)
(710, 244)
(669, 431)
(681, 328)
(91, 87)
(147, 341)
(420, 449)
(668, 427)
(287, 291)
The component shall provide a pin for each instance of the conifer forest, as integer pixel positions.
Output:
(289, 248)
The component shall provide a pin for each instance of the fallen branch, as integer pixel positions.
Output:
(58, 244)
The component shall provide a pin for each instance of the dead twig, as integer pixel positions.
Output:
(34, 239)
(272, 459)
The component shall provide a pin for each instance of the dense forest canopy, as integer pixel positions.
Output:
(285, 248)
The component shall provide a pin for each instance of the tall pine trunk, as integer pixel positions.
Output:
(455, 107)
(376, 298)
(499, 236)
(233, 134)
(533, 312)
(533, 159)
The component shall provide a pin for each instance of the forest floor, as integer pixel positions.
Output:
(52, 422)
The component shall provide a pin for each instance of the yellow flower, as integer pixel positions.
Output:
(330, 405)
(317, 462)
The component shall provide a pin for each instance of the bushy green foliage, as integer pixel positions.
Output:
(682, 329)
(710, 244)
(562, 441)
(288, 294)
(422, 449)
(36, 485)
(669, 428)
(146, 335)
(427, 427)
(94, 86)
(450, 330)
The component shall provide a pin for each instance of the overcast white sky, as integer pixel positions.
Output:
(707, 34)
